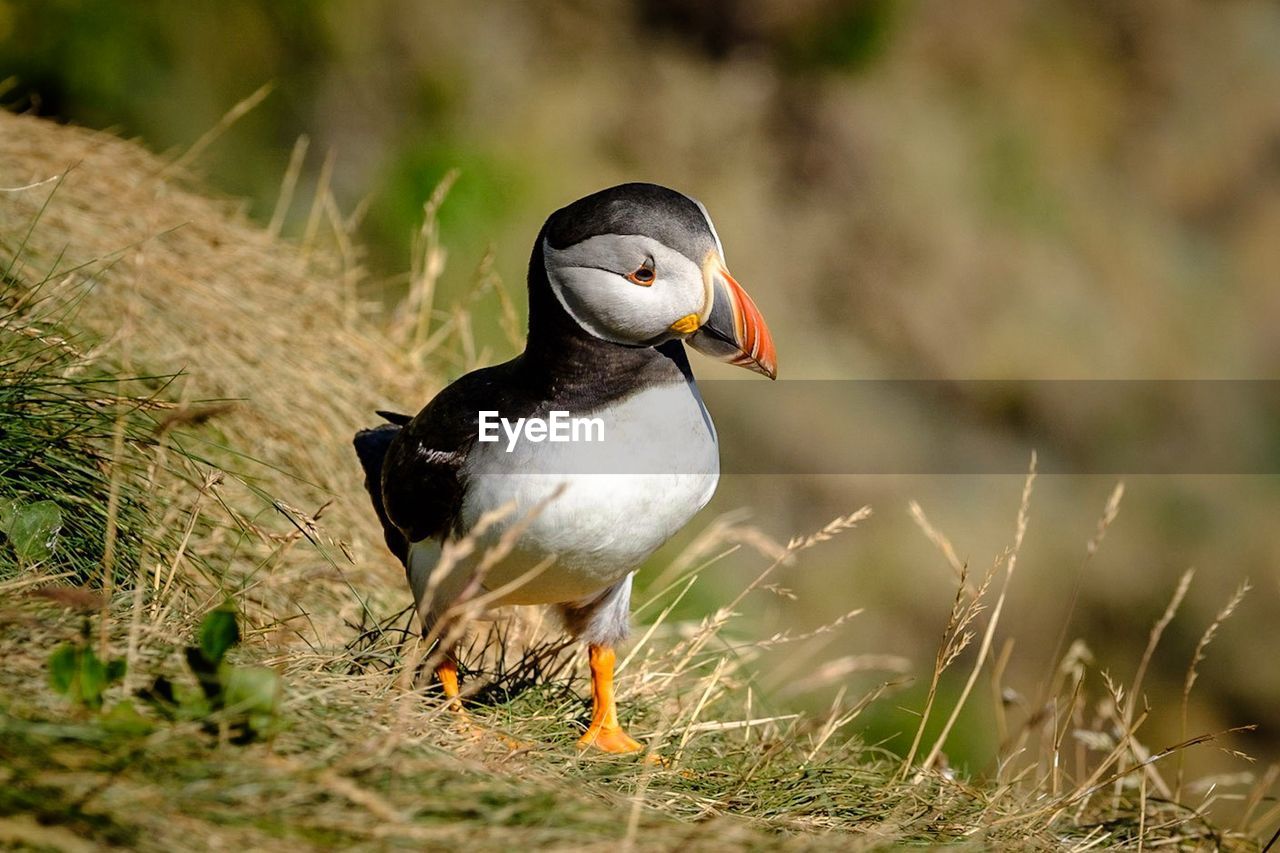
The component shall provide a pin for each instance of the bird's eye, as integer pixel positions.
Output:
(644, 276)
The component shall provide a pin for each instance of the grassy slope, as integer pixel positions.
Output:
(168, 280)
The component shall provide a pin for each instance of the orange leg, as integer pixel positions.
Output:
(605, 733)
(447, 673)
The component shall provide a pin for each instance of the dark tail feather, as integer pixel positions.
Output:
(371, 446)
(394, 417)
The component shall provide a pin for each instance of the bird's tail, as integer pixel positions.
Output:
(371, 447)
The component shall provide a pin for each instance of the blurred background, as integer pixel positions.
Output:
(1021, 190)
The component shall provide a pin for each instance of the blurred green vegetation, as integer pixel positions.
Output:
(1059, 189)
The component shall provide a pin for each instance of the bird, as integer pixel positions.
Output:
(619, 282)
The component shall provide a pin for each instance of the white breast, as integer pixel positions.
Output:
(656, 467)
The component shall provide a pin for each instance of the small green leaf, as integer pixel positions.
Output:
(63, 664)
(92, 677)
(76, 672)
(252, 693)
(34, 529)
(251, 689)
(8, 509)
(219, 632)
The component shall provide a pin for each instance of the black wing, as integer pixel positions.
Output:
(371, 446)
(422, 480)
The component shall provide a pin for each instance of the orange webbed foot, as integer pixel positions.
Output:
(605, 733)
(610, 739)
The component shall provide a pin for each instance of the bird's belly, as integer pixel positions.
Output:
(598, 529)
(621, 498)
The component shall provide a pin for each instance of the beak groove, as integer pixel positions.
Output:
(735, 330)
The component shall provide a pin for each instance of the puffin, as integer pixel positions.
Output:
(619, 282)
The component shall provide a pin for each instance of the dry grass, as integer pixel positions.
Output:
(167, 277)
(368, 756)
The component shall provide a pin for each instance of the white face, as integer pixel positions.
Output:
(627, 288)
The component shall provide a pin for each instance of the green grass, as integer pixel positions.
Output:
(366, 753)
(362, 761)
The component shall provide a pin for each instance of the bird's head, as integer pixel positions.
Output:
(640, 264)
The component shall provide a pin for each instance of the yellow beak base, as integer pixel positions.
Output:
(687, 324)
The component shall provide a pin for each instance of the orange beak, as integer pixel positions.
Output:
(734, 330)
